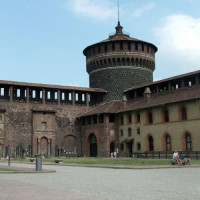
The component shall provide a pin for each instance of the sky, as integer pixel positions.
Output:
(42, 41)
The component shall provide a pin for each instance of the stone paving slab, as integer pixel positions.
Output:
(16, 190)
(87, 183)
(23, 170)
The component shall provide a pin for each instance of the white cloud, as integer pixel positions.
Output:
(140, 11)
(92, 8)
(179, 40)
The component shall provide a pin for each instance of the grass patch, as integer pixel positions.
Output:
(7, 170)
(111, 161)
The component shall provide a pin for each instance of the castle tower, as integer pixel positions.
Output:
(119, 62)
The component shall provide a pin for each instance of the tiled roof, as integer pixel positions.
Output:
(164, 80)
(160, 99)
(25, 84)
(163, 98)
(118, 37)
(110, 107)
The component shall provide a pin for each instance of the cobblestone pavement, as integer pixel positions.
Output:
(83, 183)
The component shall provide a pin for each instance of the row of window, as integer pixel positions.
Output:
(38, 94)
(121, 46)
(129, 132)
(187, 141)
(150, 119)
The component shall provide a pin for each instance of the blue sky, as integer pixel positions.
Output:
(41, 41)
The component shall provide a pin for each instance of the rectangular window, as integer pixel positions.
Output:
(70, 96)
(121, 133)
(129, 46)
(111, 118)
(33, 94)
(95, 119)
(44, 126)
(99, 49)
(41, 94)
(113, 46)
(63, 96)
(142, 47)
(83, 97)
(101, 118)
(89, 120)
(138, 146)
(136, 46)
(138, 131)
(56, 95)
(106, 47)
(48, 95)
(121, 45)
(18, 92)
(2, 91)
(76, 96)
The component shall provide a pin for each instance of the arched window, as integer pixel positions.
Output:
(128, 61)
(137, 118)
(129, 132)
(151, 146)
(188, 142)
(168, 143)
(165, 115)
(140, 62)
(136, 61)
(93, 145)
(150, 118)
(118, 61)
(123, 61)
(132, 61)
(129, 119)
(183, 113)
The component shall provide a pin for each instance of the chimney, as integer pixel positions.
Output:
(147, 93)
(124, 100)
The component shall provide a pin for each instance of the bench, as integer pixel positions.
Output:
(58, 161)
(32, 159)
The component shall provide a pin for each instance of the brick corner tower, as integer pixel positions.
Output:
(119, 63)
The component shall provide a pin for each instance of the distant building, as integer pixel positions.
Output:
(122, 111)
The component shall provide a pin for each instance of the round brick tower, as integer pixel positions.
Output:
(119, 63)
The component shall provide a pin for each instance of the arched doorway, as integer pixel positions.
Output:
(44, 146)
(130, 148)
(151, 146)
(112, 147)
(93, 146)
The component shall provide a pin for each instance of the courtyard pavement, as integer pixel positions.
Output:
(87, 183)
